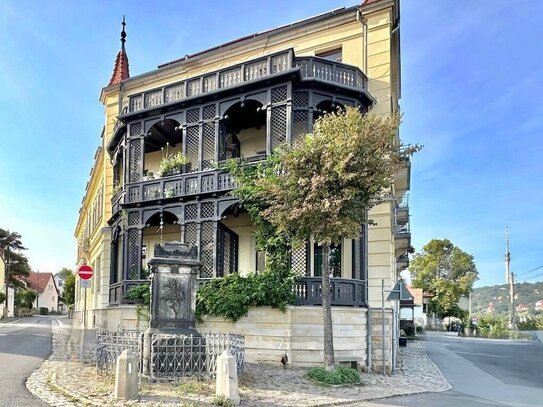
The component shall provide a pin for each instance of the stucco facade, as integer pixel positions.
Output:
(285, 75)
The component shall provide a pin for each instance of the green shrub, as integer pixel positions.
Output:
(194, 386)
(232, 296)
(223, 401)
(409, 330)
(420, 329)
(492, 326)
(340, 375)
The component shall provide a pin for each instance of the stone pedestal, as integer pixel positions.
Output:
(174, 270)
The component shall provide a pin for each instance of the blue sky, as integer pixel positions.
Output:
(471, 95)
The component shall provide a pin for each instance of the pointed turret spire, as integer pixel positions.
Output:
(120, 70)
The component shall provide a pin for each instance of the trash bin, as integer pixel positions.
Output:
(403, 342)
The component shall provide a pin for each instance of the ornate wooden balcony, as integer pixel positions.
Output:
(344, 292)
(180, 185)
(310, 68)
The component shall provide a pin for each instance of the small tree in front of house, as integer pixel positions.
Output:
(326, 185)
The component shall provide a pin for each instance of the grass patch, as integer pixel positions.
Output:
(223, 401)
(340, 375)
(192, 386)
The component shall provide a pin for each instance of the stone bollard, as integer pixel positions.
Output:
(227, 378)
(126, 376)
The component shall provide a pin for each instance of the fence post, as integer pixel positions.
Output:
(227, 378)
(126, 376)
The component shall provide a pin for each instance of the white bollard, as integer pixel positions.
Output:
(126, 376)
(227, 378)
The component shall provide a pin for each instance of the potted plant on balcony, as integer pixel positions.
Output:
(148, 175)
(169, 192)
(172, 164)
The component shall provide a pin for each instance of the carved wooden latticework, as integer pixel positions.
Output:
(134, 254)
(136, 153)
(192, 147)
(207, 248)
(299, 260)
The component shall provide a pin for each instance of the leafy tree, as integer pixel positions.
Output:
(10, 246)
(25, 298)
(69, 289)
(324, 186)
(65, 273)
(445, 271)
(2, 297)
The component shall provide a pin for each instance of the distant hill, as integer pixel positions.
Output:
(496, 298)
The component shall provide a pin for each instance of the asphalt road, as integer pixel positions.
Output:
(482, 372)
(24, 344)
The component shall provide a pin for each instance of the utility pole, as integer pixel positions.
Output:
(513, 324)
(6, 275)
(507, 257)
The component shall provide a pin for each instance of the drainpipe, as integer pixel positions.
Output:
(365, 271)
(362, 22)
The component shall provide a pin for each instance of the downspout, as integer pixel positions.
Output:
(368, 315)
(362, 22)
(364, 25)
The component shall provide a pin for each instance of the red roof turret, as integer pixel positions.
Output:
(120, 70)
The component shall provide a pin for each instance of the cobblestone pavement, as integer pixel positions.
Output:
(65, 380)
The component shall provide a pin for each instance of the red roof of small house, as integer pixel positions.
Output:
(416, 293)
(39, 285)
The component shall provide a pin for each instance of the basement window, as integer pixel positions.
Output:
(334, 55)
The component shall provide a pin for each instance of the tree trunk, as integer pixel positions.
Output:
(329, 362)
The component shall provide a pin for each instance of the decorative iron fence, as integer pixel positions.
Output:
(110, 345)
(176, 356)
(171, 357)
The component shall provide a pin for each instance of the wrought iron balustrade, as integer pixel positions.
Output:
(346, 292)
(402, 226)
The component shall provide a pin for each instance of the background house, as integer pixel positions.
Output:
(44, 284)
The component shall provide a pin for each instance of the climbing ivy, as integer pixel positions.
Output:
(233, 295)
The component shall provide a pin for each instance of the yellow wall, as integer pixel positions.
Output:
(342, 30)
(152, 160)
(252, 141)
(243, 227)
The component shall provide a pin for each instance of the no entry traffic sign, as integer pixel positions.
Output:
(85, 272)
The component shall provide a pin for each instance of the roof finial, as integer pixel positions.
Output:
(123, 34)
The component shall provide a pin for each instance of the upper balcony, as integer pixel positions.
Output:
(265, 68)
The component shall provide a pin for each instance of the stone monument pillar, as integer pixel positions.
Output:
(174, 269)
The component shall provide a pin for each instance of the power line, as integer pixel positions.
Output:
(531, 271)
(532, 277)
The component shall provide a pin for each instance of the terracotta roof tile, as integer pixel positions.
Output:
(120, 70)
(32, 281)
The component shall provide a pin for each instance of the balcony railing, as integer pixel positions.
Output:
(181, 185)
(224, 78)
(341, 74)
(402, 226)
(117, 291)
(310, 67)
(345, 292)
(403, 202)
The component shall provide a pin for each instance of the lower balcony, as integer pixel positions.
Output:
(180, 185)
(308, 290)
(344, 292)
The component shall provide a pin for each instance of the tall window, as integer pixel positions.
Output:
(334, 55)
(335, 260)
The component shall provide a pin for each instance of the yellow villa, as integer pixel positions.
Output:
(242, 99)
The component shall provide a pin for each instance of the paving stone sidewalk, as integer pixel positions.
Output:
(66, 380)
